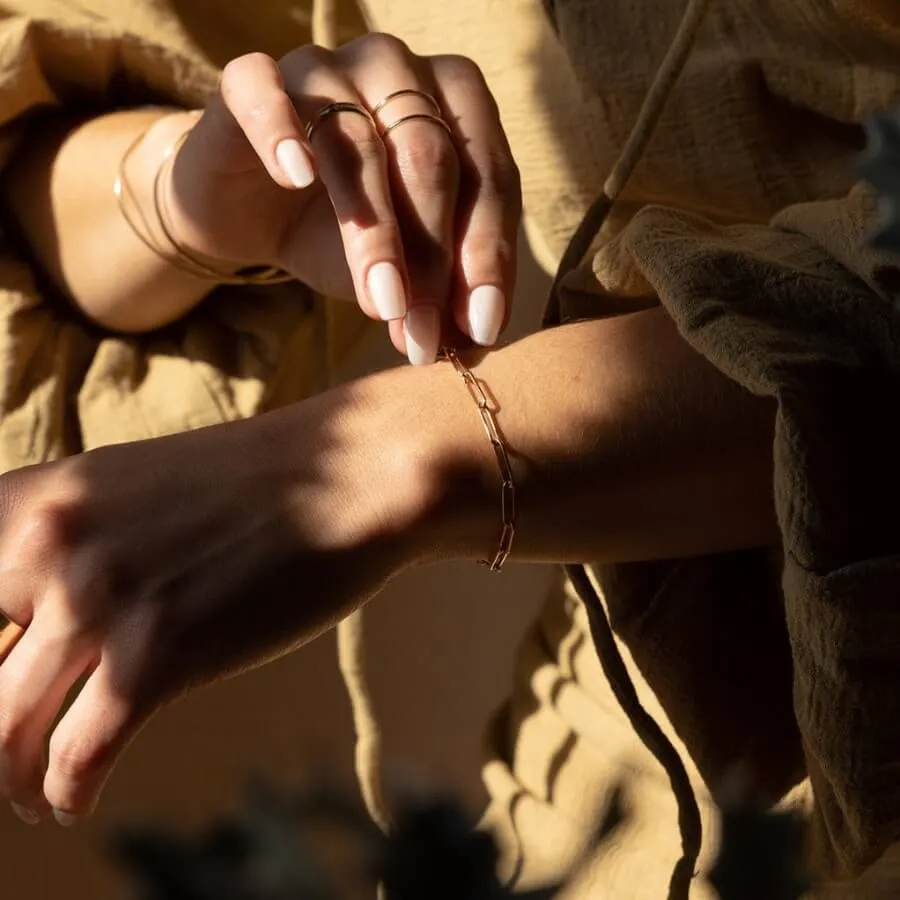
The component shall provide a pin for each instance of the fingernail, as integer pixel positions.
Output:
(28, 816)
(423, 334)
(295, 163)
(487, 307)
(386, 291)
(63, 818)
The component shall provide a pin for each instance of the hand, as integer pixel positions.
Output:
(153, 567)
(420, 226)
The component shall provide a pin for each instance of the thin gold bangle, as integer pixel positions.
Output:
(268, 274)
(182, 259)
(508, 501)
(122, 189)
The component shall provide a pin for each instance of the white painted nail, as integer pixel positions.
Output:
(386, 291)
(28, 816)
(295, 163)
(67, 820)
(423, 334)
(487, 307)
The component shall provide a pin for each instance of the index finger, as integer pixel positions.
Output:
(490, 199)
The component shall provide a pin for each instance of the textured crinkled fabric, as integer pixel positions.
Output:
(66, 387)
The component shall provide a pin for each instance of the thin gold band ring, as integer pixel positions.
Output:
(407, 92)
(332, 110)
(412, 116)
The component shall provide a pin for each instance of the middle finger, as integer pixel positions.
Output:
(423, 169)
(351, 163)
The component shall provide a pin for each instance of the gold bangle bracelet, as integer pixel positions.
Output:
(124, 193)
(267, 274)
(178, 257)
(508, 504)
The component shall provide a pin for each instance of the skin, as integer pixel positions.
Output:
(131, 566)
(442, 210)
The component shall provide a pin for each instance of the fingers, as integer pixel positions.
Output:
(46, 648)
(352, 165)
(34, 681)
(88, 742)
(273, 103)
(490, 204)
(252, 89)
(426, 218)
(423, 171)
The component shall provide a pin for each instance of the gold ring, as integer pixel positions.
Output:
(332, 110)
(406, 92)
(425, 116)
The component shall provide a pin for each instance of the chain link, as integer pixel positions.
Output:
(508, 508)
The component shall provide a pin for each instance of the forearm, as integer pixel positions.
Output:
(627, 445)
(59, 192)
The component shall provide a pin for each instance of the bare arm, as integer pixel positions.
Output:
(629, 445)
(59, 191)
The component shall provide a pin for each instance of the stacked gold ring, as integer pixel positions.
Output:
(430, 117)
(406, 92)
(344, 106)
(410, 117)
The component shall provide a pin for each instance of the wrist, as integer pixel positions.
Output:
(441, 463)
(186, 238)
(406, 462)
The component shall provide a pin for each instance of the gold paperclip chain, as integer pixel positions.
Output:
(507, 484)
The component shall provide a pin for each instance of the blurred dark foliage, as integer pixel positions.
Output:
(879, 165)
(272, 849)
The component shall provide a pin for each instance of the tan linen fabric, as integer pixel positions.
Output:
(743, 220)
(64, 386)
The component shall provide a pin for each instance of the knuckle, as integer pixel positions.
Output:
(460, 71)
(427, 159)
(237, 70)
(373, 242)
(41, 532)
(77, 761)
(369, 147)
(302, 60)
(12, 730)
(359, 148)
(384, 45)
(500, 181)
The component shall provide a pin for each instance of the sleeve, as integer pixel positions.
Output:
(100, 54)
(64, 386)
(803, 311)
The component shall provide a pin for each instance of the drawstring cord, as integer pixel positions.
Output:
(582, 578)
(350, 636)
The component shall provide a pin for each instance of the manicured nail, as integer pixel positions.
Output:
(386, 291)
(295, 163)
(423, 334)
(67, 820)
(28, 816)
(487, 308)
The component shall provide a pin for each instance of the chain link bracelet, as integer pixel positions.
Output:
(508, 508)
